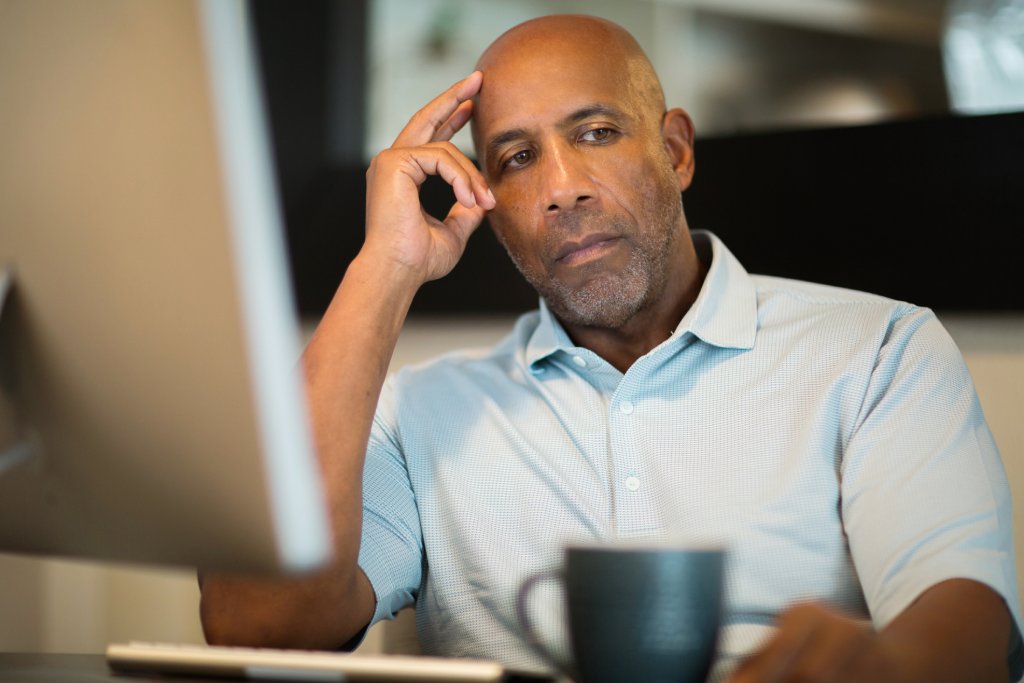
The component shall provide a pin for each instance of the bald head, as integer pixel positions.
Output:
(542, 49)
(558, 36)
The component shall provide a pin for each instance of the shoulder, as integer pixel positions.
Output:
(819, 295)
(847, 321)
(445, 390)
(781, 299)
(473, 364)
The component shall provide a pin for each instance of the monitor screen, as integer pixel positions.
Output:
(151, 405)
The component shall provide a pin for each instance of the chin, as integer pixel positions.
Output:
(607, 303)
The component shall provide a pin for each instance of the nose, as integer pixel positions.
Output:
(565, 179)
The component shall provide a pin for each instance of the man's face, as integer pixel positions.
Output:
(588, 203)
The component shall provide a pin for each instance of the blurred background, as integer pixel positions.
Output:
(864, 143)
(800, 107)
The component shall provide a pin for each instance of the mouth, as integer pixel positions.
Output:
(590, 247)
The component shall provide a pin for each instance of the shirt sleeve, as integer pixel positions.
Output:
(391, 550)
(924, 493)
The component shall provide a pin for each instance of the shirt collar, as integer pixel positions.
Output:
(548, 337)
(724, 314)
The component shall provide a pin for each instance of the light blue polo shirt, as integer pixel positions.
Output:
(832, 439)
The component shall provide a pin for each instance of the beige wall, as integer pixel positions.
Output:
(62, 606)
(994, 351)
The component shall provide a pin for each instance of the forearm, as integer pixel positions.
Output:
(345, 365)
(959, 630)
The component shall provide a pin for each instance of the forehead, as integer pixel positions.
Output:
(539, 82)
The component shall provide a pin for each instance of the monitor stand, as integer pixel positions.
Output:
(15, 445)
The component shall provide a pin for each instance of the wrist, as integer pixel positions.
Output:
(389, 277)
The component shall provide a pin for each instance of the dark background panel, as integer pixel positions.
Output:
(929, 211)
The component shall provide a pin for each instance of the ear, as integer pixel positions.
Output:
(677, 135)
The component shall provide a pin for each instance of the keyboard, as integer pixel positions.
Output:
(302, 665)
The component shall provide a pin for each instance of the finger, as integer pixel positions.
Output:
(477, 191)
(828, 658)
(451, 237)
(425, 124)
(775, 660)
(455, 122)
(459, 172)
(416, 163)
(839, 652)
(481, 191)
(463, 221)
(419, 162)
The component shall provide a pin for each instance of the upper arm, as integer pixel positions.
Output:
(924, 495)
(391, 551)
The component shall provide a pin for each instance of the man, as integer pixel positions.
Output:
(833, 438)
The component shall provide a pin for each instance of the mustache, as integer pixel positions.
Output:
(576, 223)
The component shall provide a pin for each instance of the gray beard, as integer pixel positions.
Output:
(611, 300)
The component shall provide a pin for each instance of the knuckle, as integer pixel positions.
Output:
(446, 148)
(380, 163)
(381, 158)
(371, 170)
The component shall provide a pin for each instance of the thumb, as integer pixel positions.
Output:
(463, 220)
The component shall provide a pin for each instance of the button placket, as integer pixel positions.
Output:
(635, 515)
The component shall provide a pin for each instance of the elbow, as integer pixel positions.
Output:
(245, 613)
(219, 628)
(234, 618)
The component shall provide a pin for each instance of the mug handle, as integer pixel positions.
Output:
(523, 616)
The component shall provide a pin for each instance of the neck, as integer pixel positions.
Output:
(652, 325)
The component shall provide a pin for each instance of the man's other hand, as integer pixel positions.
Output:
(957, 631)
(814, 643)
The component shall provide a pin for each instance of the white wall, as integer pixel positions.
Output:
(62, 606)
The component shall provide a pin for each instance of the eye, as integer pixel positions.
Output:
(598, 135)
(520, 158)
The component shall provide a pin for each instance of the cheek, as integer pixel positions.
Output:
(512, 200)
(514, 235)
(657, 182)
(509, 220)
(503, 229)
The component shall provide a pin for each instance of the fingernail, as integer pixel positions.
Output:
(491, 196)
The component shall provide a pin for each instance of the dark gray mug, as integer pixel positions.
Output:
(647, 614)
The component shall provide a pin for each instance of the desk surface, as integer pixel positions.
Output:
(50, 668)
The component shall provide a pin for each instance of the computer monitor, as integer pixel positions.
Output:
(151, 405)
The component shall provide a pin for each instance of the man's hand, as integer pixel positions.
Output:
(398, 229)
(814, 643)
(956, 631)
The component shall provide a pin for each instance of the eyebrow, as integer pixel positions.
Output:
(581, 114)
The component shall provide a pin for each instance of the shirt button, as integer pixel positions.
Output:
(580, 361)
(632, 483)
(626, 407)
